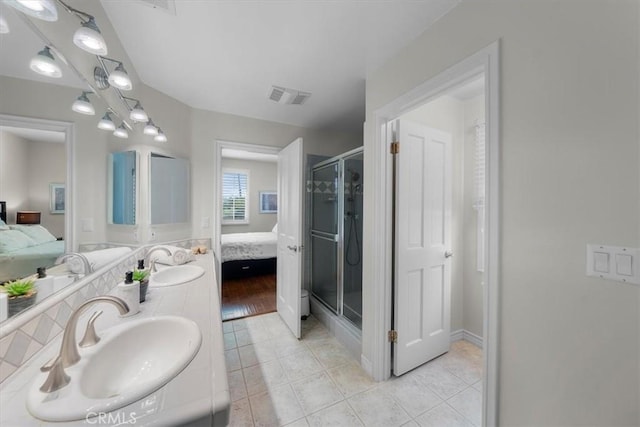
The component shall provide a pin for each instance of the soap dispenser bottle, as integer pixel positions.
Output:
(129, 291)
(43, 283)
(144, 281)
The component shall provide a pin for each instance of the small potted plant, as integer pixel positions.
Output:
(21, 295)
(142, 276)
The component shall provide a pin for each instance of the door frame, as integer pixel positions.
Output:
(218, 145)
(486, 61)
(68, 128)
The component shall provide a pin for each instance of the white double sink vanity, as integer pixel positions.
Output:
(163, 366)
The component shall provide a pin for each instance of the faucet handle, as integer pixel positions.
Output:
(57, 377)
(90, 337)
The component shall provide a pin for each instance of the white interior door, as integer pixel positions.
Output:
(289, 276)
(423, 239)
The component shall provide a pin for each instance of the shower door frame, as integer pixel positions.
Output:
(339, 159)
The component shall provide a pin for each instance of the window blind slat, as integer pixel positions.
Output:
(234, 195)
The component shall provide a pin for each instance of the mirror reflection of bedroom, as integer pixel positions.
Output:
(32, 180)
(248, 233)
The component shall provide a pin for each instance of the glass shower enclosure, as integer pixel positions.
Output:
(336, 234)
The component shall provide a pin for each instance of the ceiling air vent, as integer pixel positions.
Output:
(283, 95)
(166, 5)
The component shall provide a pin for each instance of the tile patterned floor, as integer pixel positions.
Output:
(277, 380)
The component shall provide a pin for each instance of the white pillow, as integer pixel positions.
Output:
(13, 240)
(275, 228)
(3, 226)
(37, 233)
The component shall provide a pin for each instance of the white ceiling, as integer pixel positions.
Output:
(225, 55)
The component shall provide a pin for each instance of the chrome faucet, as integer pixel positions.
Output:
(87, 265)
(152, 265)
(69, 355)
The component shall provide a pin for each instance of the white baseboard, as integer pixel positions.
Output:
(463, 334)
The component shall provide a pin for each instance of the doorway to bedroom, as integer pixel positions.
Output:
(248, 204)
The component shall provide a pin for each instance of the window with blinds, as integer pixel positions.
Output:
(235, 197)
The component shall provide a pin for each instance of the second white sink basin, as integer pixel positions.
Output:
(132, 360)
(175, 275)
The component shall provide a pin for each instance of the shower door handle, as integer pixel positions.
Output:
(448, 254)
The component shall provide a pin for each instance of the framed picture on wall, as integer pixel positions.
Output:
(268, 202)
(56, 198)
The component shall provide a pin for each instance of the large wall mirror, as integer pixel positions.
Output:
(36, 186)
(122, 188)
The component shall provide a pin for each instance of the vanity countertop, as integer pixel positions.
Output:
(187, 399)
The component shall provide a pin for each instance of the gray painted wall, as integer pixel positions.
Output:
(263, 176)
(570, 175)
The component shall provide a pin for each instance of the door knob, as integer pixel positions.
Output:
(448, 254)
(292, 248)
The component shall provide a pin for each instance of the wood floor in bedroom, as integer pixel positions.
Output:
(248, 296)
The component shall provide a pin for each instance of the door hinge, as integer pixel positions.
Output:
(395, 147)
(393, 336)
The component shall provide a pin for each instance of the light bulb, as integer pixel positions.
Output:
(82, 105)
(150, 128)
(41, 9)
(106, 123)
(121, 132)
(88, 38)
(43, 63)
(119, 78)
(160, 137)
(138, 114)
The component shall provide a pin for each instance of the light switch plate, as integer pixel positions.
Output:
(614, 263)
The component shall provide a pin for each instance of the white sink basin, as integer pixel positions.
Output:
(132, 360)
(175, 275)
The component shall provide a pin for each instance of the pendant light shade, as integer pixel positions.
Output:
(4, 27)
(89, 38)
(119, 78)
(150, 128)
(138, 114)
(121, 132)
(160, 137)
(106, 123)
(41, 9)
(82, 105)
(43, 63)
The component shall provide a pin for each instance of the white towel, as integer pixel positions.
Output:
(178, 256)
(97, 259)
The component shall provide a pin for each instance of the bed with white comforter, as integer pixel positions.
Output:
(249, 246)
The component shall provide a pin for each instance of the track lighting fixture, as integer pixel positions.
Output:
(41, 9)
(117, 78)
(106, 123)
(121, 132)
(82, 105)
(150, 128)
(89, 38)
(138, 114)
(160, 137)
(43, 63)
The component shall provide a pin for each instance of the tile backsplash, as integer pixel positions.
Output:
(25, 335)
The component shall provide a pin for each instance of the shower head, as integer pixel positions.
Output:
(355, 176)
